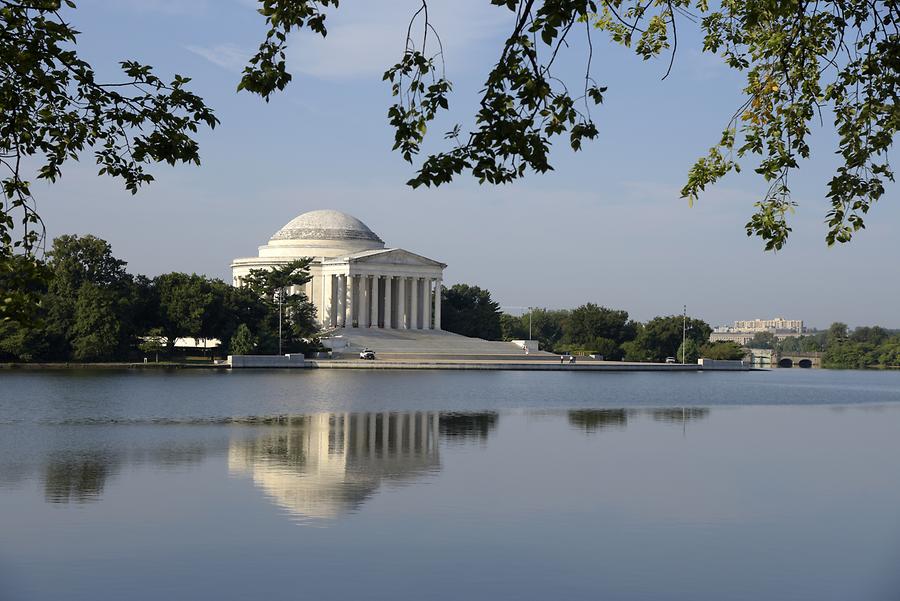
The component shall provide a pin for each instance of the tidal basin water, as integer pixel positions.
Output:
(449, 485)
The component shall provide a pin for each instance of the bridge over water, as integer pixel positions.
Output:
(771, 358)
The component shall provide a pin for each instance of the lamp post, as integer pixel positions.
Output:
(530, 312)
(684, 335)
(280, 293)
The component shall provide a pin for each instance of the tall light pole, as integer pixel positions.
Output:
(280, 295)
(684, 335)
(530, 311)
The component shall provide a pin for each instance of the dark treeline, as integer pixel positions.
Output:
(92, 309)
(595, 329)
(590, 328)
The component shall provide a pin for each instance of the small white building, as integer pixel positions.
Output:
(356, 280)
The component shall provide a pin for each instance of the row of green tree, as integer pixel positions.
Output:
(91, 309)
(841, 348)
(590, 328)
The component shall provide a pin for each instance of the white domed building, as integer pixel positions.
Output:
(356, 280)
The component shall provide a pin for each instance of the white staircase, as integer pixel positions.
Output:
(421, 343)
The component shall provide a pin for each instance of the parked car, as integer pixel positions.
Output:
(367, 354)
(671, 360)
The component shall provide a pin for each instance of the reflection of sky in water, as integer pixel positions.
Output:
(509, 501)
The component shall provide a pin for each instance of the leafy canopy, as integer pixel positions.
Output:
(282, 285)
(54, 107)
(800, 59)
(470, 311)
(91, 309)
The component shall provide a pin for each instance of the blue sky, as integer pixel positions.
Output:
(606, 226)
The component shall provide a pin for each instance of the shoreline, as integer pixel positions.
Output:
(450, 365)
(108, 365)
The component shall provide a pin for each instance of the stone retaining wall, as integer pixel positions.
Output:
(290, 360)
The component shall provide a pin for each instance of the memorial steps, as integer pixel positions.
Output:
(426, 344)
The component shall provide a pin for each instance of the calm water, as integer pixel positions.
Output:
(449, 485)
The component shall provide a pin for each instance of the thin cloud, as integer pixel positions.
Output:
(165, 7)
(364, 40)
(705, 66)
(228, 56)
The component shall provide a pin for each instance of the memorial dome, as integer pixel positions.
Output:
(326, 225)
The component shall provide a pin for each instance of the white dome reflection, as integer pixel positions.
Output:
(328, 464)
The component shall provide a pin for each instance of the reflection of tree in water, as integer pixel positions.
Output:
(591, 420)
(462, 426)
(77, 477)
(679, 414)
(80, 475)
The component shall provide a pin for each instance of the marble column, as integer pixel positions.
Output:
(437, 304)
(401, 302)
(365, 298)
(335, 284)
(388, 324)
(325, 304)
(350, 302)
(428, 304)
(340, 317)
(373, 302)
(414, 304)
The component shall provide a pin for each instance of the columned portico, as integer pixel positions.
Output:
(356, 281)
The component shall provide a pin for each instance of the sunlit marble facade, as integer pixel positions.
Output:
(356, 280)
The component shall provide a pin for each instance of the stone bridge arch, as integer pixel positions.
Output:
(801, 360)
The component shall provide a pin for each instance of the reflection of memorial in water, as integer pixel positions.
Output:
(322, 465)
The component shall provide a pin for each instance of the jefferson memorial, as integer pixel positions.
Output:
(356, 281)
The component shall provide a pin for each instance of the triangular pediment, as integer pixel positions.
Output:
(393, 256)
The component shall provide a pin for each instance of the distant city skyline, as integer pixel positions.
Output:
(606, 226)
